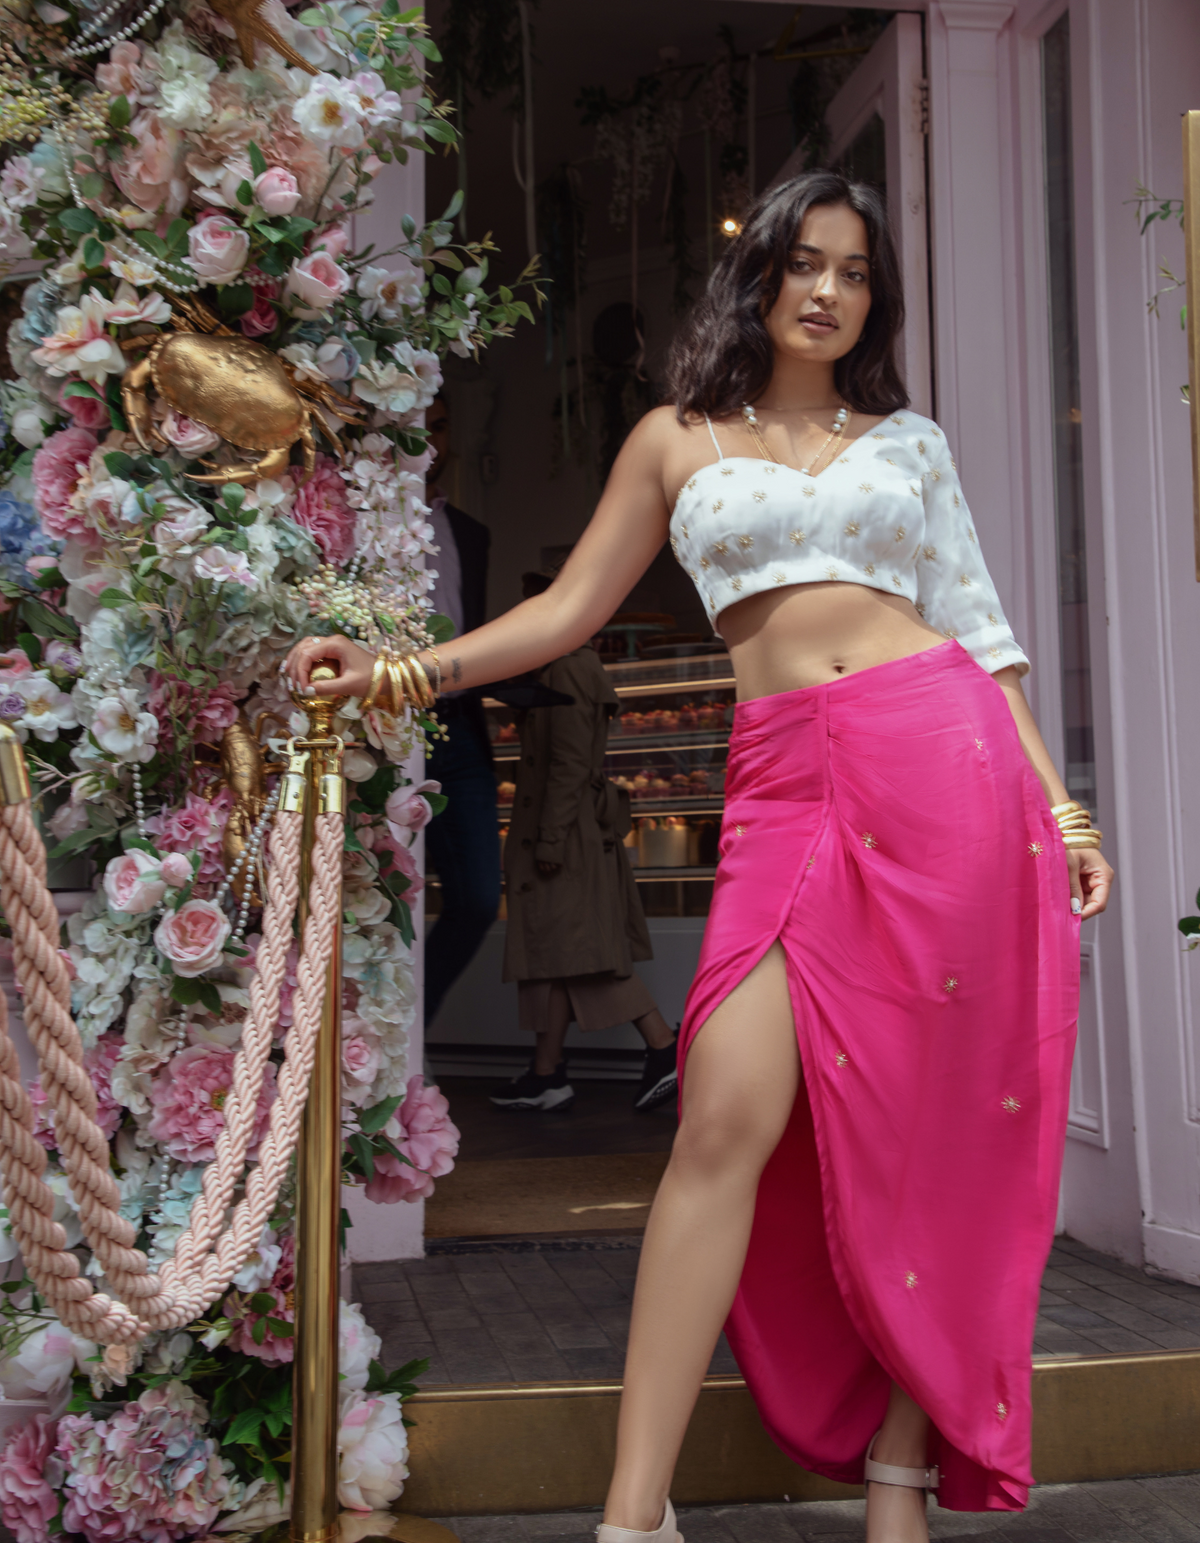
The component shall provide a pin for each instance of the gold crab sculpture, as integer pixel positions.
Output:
(243, 765)
(237, 388)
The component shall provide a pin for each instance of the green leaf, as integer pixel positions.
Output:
(280, 1328)
(259, 1332)
(245, 1426)
(111, 598)
(245, 193)
(91, 185)
(119, 112)
(186, 992)
(234, 300)
(441, 628)
(32, 646)
(428, 47)
(233, 495)
(73, 843)
(80, 388)
(258, 161)
(375, 1118)
(363, 1150)
(1190, 926)
(93, 253)
(209, 996)
(120, 465)
(442, 132)
(436, 801)
(453, 206)
(177, 235)
(263, 1302)
(47, 623)
(81, 220)
(402, 918)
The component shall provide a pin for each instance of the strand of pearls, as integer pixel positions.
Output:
(82, 50)
(249, 856)
(139, 803)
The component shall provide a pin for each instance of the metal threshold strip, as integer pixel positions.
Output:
(547, 1446)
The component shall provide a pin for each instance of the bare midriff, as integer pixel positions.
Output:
(810, 634)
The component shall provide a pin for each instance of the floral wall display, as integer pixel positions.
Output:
(212, 446)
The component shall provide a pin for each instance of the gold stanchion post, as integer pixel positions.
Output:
(319, 1187)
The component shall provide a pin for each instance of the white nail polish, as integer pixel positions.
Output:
(1076, 905)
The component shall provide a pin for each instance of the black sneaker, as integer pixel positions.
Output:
(660, 1079)
(529, 1091)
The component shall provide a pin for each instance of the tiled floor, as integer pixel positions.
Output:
(551, 1309)
(1123, 1511)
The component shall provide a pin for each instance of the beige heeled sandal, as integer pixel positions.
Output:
(666, 1532)
(888, 1473)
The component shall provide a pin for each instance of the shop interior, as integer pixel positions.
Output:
(625, 149)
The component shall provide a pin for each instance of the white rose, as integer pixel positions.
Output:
(372, 1450)
(218, 249)
(45, 1362)
(358, 1346)
(29, 427)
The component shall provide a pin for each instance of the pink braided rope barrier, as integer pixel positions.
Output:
(207, 1255)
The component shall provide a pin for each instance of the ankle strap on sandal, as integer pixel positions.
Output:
(888, 1473)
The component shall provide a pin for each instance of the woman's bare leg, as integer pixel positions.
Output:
(895, 1514)
(743, 1072)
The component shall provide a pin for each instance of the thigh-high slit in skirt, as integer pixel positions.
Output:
(888, 831)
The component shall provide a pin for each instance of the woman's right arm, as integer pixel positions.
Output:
(618, 545)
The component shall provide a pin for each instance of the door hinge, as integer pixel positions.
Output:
(923, 105)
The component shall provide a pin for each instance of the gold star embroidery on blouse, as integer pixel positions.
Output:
(1036, 849)
(869, 570)
(929, 553)
(797, 537)
(920, 447)
(780, 578)
(971, 535)
(852, 526)
(993, 653)
(674, 546)
(936, 475)
(949, 632)
(831, 572)
(683, 528)
(720, 548)
(915, 489)
(841, 1059)
(718, 506)
(691, 573)
(736, 583)
(842, 459)
(950, 983)
(1002, 1411)
(965, 580)
(690, 484)
(900, 532)
(810, 492)
(920, 608)
(910, 1279)
(869, 841)
(759, 496)
(745, 542)
(954, 463)
(936, 433)
(865, 487)
(896, 580)
(889, 460)
(993, 618)
(1010, 1105)
(957, 501)
(727, 471)
(898, 420)
(878, 436)
(706, 562)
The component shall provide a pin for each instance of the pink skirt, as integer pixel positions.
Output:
(888, 831)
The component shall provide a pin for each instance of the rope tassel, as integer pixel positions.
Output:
(207, 1255)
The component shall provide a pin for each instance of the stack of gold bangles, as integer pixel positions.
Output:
(1075, 823)
(398, 681)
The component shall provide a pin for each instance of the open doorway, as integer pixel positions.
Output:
(625, 145)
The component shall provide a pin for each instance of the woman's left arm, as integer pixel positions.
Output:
(1091, 875)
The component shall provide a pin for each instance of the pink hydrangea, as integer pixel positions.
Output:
(209, 712)
(428, 1138)
(27, 1500)
(147, 1472)
(321, 508)
(275, 1349)
(99, 1062)
(43, 1115)
(188, 1099)
(57, 469)
(197, 825)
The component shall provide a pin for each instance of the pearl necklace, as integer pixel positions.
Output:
(841, 419)
(82, 49)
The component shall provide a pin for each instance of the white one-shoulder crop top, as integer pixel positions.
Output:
(887, 513)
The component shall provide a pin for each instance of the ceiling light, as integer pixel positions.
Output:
(731, 227)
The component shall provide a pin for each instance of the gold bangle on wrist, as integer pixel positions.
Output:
(436, 683)
(378, 671)
(1075, 826)
(1078, 840)
(399, 685)
(421, 680)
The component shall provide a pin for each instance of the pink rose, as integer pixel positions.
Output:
(334, 239)
(262, 316)
(274, 1349)
(321, 509)
(14, 664)
(218, 248)
(189, 1097)
(88, 412)
(395, 1181)
(188, 436)
(429, 1140)
(27, 1503)
(277, 191)
(122, 75)
(57, 469)
(41, 564)
(150, 172)
(132, 883)
(176, 869)
(407, 809)
(389, 840)
(193, 937)
(316, 281)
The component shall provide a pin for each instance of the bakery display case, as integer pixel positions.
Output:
(667, 747)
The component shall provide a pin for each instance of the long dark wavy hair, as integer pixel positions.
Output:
(723, 356)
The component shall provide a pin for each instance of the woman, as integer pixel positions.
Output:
(575, 922)
(878, 1041)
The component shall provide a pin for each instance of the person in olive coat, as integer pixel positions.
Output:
(575, 923)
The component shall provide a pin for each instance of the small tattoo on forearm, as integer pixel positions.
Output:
(456, 671)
